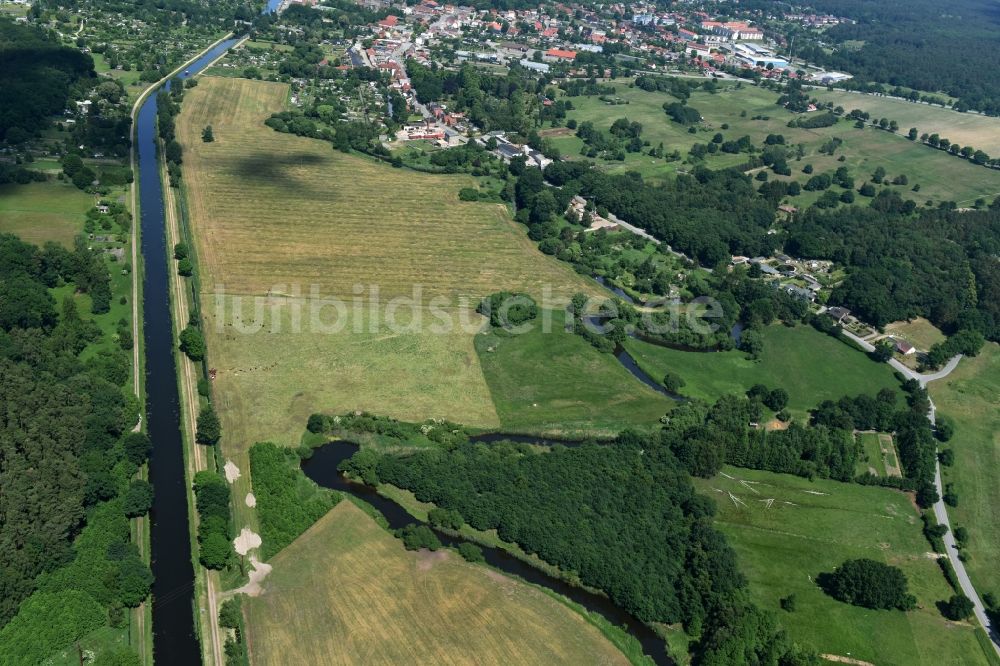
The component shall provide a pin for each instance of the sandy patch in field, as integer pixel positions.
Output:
(246, 541)
(257, 575)
(232, 471)
(251, 500)
(426, 559)
(846, 660)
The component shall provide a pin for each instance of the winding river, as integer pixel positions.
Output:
(175, 640)
(322, 468)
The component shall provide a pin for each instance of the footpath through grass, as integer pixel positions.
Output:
(970, 396)
(787, 530)
(809, 365)
(347, 592)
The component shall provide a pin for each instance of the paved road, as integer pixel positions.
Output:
(943, 372)
(951, 548)
(941, 513)
(905, 371)
(940, 510)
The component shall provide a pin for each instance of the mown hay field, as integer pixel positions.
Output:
(274, 214)
(919, 332)
(268, 383)
(346, 592)
(273, 210)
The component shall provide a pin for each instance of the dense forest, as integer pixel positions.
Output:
(67, 458)
(708, 215)
(920, 44)
(938, 264)
(168, 13)
(37, 76)
(624, 518)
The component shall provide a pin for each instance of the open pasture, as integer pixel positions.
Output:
(966, 129)
(41, 212)
(809, 365)
(941, 176)
(555, 382)
(787, 530)
(346, 592)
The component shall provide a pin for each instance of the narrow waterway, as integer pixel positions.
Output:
(174, 639)
(322, 468)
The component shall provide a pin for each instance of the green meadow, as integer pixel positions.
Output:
(809, 365)
(556, 382)
(787, 530)
(941, 176)
(970, 396)
(41, 212)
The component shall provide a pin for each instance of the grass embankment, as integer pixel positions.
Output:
(812, 527)
(353, 594)
(272, 212)
(970, 396)
(42, 212)
(941, 176)
(556, 382)
(809, 365)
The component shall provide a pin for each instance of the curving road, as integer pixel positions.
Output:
(940, 510)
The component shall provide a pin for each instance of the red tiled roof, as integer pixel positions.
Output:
(560, 53)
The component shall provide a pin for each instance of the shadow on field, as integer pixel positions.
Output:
(274, 169)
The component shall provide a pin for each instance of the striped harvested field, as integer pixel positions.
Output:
(273, 213)
(273, 210)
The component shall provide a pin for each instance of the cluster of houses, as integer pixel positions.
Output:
(787, 272)
(551, 38)
(506, 150)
